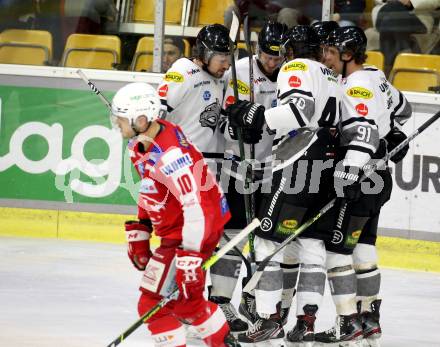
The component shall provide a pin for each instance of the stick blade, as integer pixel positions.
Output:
(235, 26)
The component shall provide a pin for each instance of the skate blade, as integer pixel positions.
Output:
(299, 344)
(371, 342)
(267, 343)
(353, 343)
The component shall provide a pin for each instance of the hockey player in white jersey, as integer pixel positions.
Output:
(304, 120)
(266, 65)
(372, 114)
(192, 90)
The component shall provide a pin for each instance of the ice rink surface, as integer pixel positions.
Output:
(57, 293)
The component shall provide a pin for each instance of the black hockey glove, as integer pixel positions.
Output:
(394, 138)
(347, 185)
(245, 114)
(250, 136)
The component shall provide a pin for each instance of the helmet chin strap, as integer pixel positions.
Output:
(137, 133)
(344, 67)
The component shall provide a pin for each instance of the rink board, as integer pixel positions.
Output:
(71, 177)
(101, 227)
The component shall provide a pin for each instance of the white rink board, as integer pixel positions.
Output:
(415, 200)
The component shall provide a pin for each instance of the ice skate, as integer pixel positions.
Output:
(371, 326)
(346, 333)
(265, 332)
(236, 325)
(302, 335)
(247, 307)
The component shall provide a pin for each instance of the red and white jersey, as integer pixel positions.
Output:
(265, 93)
(178, 192)
(193, 99)
(371, 106)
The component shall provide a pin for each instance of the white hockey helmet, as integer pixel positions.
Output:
(134, 100)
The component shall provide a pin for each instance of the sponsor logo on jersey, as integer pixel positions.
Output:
(266, 224)
(328, 72)
(352, 239)
(206, 95)
(163, 90)
(224, 205)
(295, 66)
(148, 186)
(183, 142)
(176, 165)
(359, 92)
(202, 83)
(287, 226)
(294, 81)
(243, 88)
(192, 71)
(229, 100)
(273, 103)
(259, 80)
(362, 109)
(174, 77)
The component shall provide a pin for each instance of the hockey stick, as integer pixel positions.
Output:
(175, 294)
(247, 39)
(247, 201)
(94, 88)
(381, 162)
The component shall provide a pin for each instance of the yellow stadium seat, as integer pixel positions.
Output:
(143, 11)
(143, 57)
(92, 51)
(416, 72)
(211, 12)
(28, 47)
(375, 58)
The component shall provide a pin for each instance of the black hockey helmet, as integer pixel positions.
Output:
(212, 39)
(304, 42)
(324, 28)
(349, 39)
(271, 37)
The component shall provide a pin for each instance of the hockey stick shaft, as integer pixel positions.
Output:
(247, 38)
(259, 272)
(247, 201)
(174, 295)
(94, 88)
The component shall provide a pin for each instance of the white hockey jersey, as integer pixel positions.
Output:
(371, 106)
(308, 98)
(265, 93)
(193, 100)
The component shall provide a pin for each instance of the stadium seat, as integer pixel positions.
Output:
(211, 12)
(28, 47)
(416, 72)
(92, 51)
(143, 57)
(143, 11)
(375, 58)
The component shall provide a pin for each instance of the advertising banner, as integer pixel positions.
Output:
(57, 145)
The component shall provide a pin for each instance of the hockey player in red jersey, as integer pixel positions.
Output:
(181, 200)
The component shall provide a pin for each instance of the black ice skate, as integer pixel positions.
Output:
(236, 325)
(370, 324)
(265, 332)
(302, 335)
(247, 307)
(284, 313)
(346, 333)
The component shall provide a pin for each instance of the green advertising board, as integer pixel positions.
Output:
(57, 145)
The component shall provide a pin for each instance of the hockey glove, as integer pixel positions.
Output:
(347, 185)
(138, 235)
(249, 136)
(245, 114)
(190, 276)
(394, 138)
